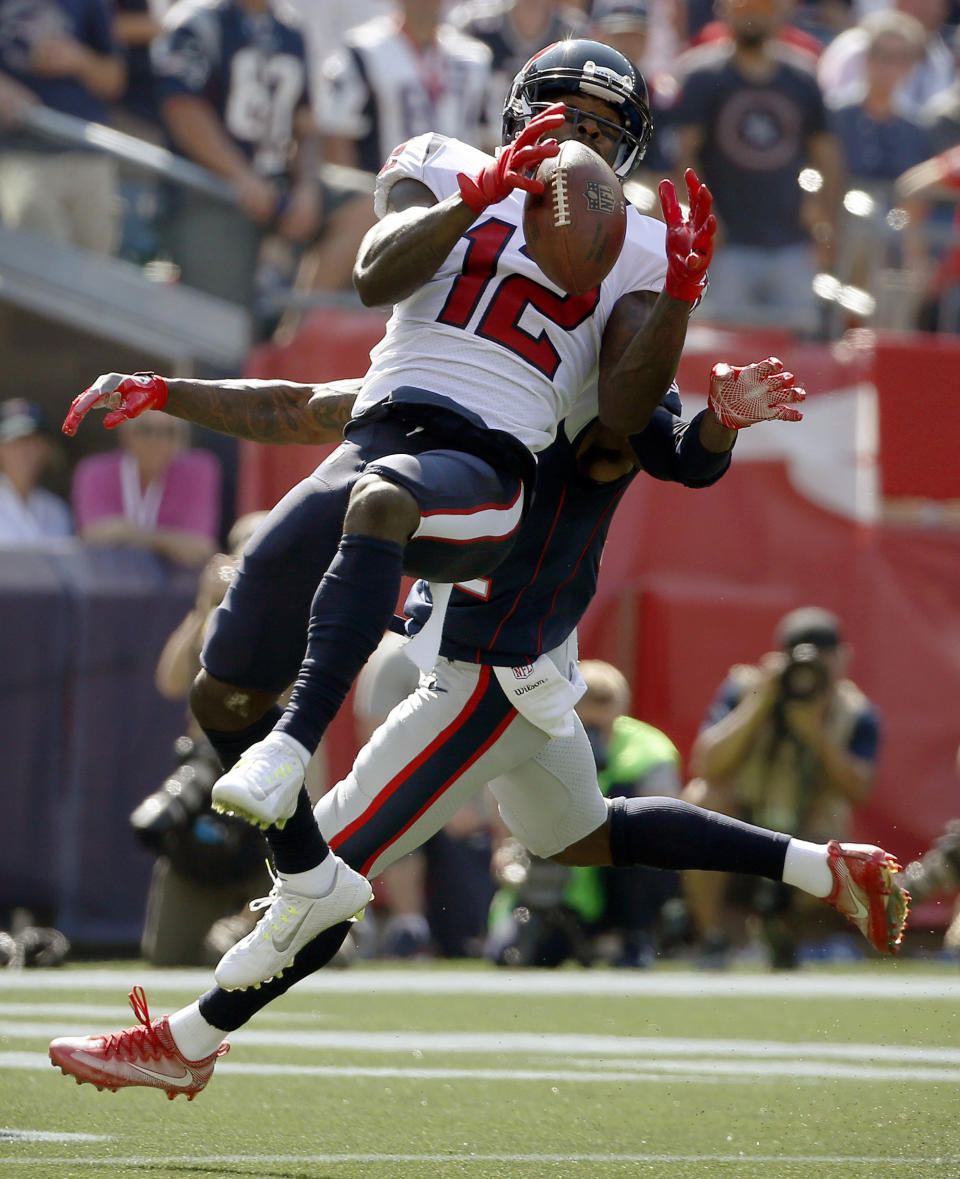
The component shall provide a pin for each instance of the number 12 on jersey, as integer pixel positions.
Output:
(512, 295)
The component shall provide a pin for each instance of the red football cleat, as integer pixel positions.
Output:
(145, 1055)
(866, 893)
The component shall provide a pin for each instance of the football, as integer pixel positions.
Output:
(575, 228)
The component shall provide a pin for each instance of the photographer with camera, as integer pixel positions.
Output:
(790, 744)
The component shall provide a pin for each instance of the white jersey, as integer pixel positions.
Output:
(379, 89)
(489, 330)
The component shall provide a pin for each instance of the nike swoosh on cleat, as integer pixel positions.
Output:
(283, 945)
(185, 1079)
(860, 910)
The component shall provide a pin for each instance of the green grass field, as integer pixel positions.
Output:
(467, 1071)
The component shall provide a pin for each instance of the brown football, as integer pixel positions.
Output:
(576, 226)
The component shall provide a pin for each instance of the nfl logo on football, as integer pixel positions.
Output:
(600, 197)
(523, 673)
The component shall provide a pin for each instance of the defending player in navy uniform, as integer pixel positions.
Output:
(461, 726)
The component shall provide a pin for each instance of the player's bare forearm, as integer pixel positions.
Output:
(277, 412)
(714, 436)
(639, 355)
(408, 246)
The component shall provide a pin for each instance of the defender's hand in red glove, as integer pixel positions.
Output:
(501, 176)
(758, 392)
(690, 241)
(125, 397)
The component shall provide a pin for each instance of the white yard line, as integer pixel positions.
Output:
(852, 985)
(512, 1044)
(703, 1071)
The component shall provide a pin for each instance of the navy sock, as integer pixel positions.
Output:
(230, 746)
(668, 833)
(352, 607)
(229, 1010)
(299, 846)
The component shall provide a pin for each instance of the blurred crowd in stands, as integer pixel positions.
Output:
(804, 116)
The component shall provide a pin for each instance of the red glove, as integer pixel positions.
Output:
(125, 397)
(690, 242)
(758, 392)
(501, 176)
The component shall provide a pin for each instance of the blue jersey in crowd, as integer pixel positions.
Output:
(533, 602)
(251, 68)
(26, 23)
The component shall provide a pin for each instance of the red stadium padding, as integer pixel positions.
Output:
(693, 581)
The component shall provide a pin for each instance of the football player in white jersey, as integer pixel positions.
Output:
(437, 465)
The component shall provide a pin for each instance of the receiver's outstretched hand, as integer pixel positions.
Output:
(759, 392)
(125, 397)
(510, 169)
(690, 239)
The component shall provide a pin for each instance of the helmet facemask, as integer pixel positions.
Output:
(568, 68)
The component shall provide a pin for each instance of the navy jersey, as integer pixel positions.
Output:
(533, 602)
(25, 23)
(754, 141)
(252, 69)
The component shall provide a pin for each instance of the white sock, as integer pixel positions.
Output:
(315, 882)
(193, 1035)
(806, 867)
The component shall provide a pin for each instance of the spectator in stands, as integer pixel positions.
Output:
(941, 114)
(29, 514)
(750, 118)
(624, 26)
(574, 912)
(789, 743)
(136, 25)
(513, 31)
(234, 97)
(879, 144)
(15, 99)
(843, 63)
(326, 24)
(151, 493)
(397, 76)
(63, 52)
(937, 179)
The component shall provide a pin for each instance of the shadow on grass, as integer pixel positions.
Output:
(221, 1170)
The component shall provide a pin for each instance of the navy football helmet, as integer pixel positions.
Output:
(587, 67)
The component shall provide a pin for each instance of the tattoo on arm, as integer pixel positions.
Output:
(275, 412)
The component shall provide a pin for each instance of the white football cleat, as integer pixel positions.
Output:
(290, 922)
(264, 784)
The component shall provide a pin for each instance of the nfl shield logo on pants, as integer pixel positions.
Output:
(522, 673)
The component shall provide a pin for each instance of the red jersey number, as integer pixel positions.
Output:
(511, 297)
